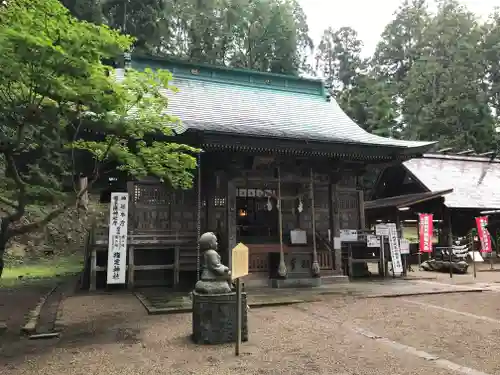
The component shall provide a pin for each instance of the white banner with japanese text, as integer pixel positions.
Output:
(117, 247)
(397, 264)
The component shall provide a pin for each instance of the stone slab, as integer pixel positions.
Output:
(306, 282)
(214, 318)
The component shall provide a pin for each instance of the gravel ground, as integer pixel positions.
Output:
(464, 340)
(481, 275)
(111, 334)
(482, 304)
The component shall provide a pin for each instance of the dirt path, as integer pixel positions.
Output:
(112, 334)
(16, 302)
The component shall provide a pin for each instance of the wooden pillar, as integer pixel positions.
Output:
(361, 203)
(361, 198)
(335, 222)
(448, 225)
(315, 269)
(130, 231)
(282, 271)
(212, 184)
(198, 230)
(230, 217)
(131, 267)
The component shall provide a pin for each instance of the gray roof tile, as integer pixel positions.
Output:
(212, 105)
(475, 180)
(230, 108)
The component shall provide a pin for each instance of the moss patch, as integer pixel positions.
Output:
(44, 269)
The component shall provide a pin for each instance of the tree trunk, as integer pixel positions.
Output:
(3, 245)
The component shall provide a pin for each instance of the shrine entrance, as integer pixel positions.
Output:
(257, 218)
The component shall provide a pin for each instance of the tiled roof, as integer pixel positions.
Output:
(475, 180)
(229, 108)
(249, 103)
(405, 200)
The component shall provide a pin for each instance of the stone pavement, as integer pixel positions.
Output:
(161, 301)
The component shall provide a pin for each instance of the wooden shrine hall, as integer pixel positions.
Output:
(280, 171)
(456, 188)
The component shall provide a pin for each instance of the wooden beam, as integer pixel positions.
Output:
(155, 267)
(489, 153)
(444, 150)
(465, 152)
(131, 267)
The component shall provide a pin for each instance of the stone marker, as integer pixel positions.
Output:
(214, 301)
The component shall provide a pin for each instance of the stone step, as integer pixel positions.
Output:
(333, 279)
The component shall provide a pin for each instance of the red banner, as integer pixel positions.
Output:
(425, 232)
(484, 234)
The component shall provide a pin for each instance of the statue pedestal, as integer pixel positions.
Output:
(214, 318)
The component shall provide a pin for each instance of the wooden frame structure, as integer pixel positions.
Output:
(455, 188)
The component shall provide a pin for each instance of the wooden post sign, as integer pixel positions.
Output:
(239, 268)
(239, 261)
(117, 242)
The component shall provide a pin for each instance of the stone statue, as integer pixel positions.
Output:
(215, 277)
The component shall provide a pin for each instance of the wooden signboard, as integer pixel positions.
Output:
(239, 261)
(239, 268)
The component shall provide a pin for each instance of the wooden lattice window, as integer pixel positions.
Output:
(220, 202)
(152, 195)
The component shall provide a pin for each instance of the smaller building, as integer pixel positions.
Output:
(455, 188)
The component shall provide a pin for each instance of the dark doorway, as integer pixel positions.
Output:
(256, 216)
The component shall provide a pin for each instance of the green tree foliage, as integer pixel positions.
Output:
(266, 35)
(433, 76)
(338, 57)
(57, 99)
(491, 50)
(352, 81)
(446, 98)
(369, 102)
(401, 43)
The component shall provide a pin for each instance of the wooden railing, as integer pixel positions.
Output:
(325, 257)
(258, 262)
(101, 237)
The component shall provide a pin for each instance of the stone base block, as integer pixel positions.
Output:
(307, 282)
(214, 318)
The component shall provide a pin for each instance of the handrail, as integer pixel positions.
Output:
(324, 242)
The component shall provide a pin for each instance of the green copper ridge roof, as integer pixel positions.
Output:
(241, 77)
(263, 105)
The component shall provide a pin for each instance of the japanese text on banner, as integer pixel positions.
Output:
(425, 232)
(117, 247)
(397, 264)
(483, 233)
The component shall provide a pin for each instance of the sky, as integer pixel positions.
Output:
(367, 17)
